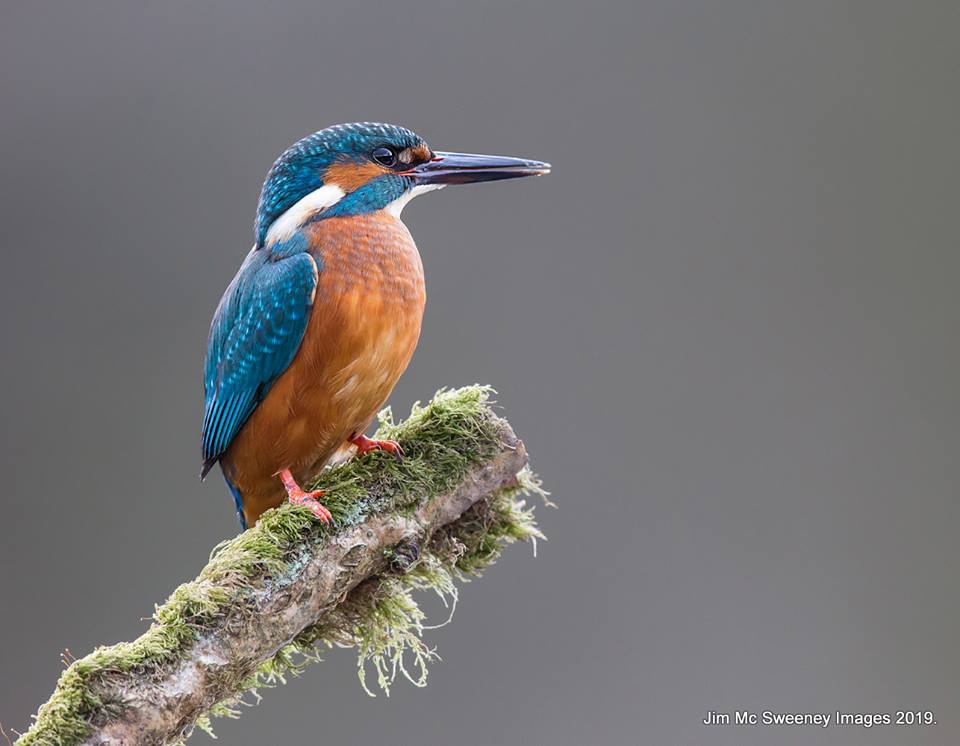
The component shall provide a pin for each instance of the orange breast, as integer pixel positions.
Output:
(362, 332)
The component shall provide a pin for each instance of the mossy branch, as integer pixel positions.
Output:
(275, 595)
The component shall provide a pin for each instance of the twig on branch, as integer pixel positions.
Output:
(275, 594)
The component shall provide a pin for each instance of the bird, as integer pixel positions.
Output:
(323, 316)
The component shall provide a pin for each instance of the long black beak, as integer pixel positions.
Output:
(467, 168)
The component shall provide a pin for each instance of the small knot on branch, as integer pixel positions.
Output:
(404, 557)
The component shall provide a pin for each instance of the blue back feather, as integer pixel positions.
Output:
(255, 334)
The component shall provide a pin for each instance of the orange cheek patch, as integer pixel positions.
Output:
(350, 176)
(421, 153)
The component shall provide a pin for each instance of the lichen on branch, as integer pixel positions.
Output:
(275, 596)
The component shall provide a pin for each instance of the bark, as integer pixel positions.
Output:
(159, 706)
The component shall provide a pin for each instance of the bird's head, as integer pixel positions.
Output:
(351, 169)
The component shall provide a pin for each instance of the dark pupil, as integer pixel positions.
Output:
(384, 156)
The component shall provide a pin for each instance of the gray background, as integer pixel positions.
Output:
(726, 327)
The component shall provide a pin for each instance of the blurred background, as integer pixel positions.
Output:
(726, 327)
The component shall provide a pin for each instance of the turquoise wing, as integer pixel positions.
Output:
(255, 334)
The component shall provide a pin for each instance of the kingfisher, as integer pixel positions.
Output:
(324, 314)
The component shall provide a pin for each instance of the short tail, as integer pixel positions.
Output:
(238, 501)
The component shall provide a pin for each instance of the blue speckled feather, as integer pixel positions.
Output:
(256, 332)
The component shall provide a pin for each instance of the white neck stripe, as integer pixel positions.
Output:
(290, 222)
(323, 199)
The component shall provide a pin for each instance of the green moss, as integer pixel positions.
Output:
(381, 618)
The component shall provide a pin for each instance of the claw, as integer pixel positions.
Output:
(297, 496)
(365, 445)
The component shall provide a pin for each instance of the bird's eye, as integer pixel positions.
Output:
(385, 157)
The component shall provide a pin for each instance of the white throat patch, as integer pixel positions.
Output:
(289, 223)
(396, 207)
(323, 199)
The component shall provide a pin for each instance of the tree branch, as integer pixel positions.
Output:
(288, 584)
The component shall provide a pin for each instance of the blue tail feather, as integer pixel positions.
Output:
(238, 501)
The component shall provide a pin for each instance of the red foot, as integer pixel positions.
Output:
(297, 496)
(365, 445)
